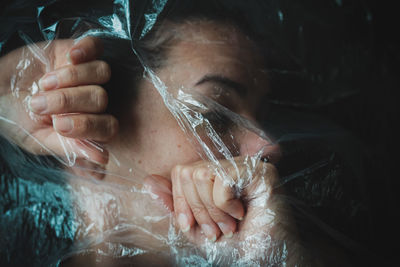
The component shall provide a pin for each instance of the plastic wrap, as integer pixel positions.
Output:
(176, 88)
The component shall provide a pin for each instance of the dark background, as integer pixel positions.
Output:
(372, 116)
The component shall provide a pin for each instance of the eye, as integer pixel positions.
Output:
(221, 123)
(225, 97)
(224, 126)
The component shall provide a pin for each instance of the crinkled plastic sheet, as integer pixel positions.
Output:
(52, 215)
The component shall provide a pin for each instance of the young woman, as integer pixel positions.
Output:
(188, 135)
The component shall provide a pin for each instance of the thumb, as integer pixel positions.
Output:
(161, 187)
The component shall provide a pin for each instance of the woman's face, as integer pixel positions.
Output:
(208, 58)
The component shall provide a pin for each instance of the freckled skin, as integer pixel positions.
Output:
(155, 137)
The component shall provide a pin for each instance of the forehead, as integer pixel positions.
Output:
(202, 48)
(224, 41)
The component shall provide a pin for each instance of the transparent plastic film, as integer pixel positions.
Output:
(140, 133)
(235, 152)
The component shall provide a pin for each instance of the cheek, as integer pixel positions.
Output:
(162, 143)
(168, 148)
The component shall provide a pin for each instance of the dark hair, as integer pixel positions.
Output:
(127, 59)
(153, 46)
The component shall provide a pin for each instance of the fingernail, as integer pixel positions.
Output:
(183, 222)
(76, 55)
(240, 219)
(209, 232)
(48, 82)
(63, 124)
(38, 104)
(225, 229)
(229, 235)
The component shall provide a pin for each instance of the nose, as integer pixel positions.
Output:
(251, 144)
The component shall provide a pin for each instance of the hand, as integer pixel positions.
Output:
(69, 104)
(161, 188)
(200, 196)
(203, 198)
(203, 202)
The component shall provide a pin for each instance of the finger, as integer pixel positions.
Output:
(224, 199)
(90, 150)
(85, 99)
(72, 150)
(86, 126)
(161, 187)
(204, 180)
(85, 50)
(266, 180)
(182, 209)
(200, 212)
(263, 200)
(94, 72)
(87, 169)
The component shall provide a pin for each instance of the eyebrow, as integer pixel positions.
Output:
(237, 87)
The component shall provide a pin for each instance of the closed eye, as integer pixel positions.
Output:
(225, 82)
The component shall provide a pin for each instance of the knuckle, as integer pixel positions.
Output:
(200, 174)
(85, 124)
(112, 126)
(175, 172)
(198, 210)
(72, 75)
(180, 172)
(214, 212)
(103, 71)
(179, 200)
(62, 100)
(99, 97)
(185, 174)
